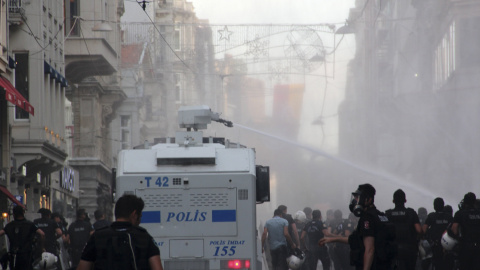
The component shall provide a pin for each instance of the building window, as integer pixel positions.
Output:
(125, 139)
(73, 7)
(125, 121)
(445, 61)
(177, 38)
(125, 127)
(148, 108)
(21, 81)
(178, 87)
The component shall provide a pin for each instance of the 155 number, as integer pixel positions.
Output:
(225, 251)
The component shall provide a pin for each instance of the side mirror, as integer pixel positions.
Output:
(263, 183)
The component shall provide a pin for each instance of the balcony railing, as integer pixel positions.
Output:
(15, 6)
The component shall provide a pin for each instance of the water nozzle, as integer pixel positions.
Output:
(198, 117)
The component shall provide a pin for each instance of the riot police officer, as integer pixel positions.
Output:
(78, 233)
(123, 244)
(371, 243)
(434, 227)
(315, 230)
(466, 225)
(50, 228)
(100, 220)
(20, 233)
(338, 251)
(408, 231)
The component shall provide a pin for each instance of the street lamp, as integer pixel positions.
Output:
(346, 29)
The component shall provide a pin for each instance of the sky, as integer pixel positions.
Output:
(260, 11)
(273, 11)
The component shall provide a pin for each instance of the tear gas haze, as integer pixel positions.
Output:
(380, 92)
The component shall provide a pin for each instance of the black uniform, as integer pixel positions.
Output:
(49, 227)
(406, 236)
(290, 220)
(100, 224)
(339, 251)
(79, 232)
(119, 246)
(314, 230)
(372, 223)
(20, 234)
(437, 223)
(469, 223)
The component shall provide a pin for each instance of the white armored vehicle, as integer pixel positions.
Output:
(200, 196)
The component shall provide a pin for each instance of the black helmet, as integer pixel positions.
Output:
(461, 205)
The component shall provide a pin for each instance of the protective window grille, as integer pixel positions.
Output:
(209, 199)
(243, 194)
(177, 181)
(166, 200)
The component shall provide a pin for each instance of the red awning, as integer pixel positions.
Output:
(12, 95)
(12, 198)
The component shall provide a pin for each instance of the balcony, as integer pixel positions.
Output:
(16, 12)
(89, 57)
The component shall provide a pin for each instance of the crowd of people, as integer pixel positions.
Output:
(46, 243)
(28, 241)
(399, 238)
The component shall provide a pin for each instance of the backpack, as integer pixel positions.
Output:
(125, 249)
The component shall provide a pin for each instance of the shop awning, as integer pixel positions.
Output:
(54, 74)
(12, 95)
(12, 198)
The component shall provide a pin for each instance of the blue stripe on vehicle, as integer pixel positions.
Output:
(224, 215)
(150, 217)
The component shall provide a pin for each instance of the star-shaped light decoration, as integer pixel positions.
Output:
(225, 34)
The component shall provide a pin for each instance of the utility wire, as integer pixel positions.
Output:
(33, 35)
(50, 43)
(42, 48)
(163, 38)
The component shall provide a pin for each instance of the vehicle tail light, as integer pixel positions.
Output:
(235, 264)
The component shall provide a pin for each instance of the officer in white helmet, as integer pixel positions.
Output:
(300, 220)
(435, 224)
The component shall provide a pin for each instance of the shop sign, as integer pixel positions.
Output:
(67, 179)
(19, 198)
